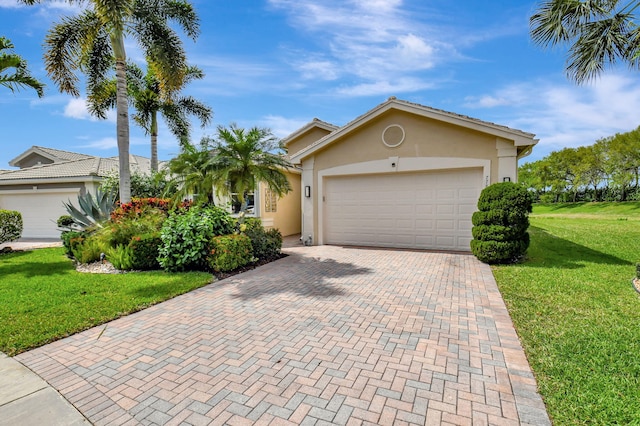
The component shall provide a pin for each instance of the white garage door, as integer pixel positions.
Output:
(416, 210)
(40, 211)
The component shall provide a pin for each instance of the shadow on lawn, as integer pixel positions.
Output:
(303, 276)
(554, 252)
(31, 269)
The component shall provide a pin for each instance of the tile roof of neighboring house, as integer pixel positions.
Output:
(313, 123)
(84, 167)
(56, 155)
(413, 106)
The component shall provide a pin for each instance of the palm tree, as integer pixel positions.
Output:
(192, 172)
(599, 32)
(20, 76)
(149, 100)
(94, 40)
(242, 158)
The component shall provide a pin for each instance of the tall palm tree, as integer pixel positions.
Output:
(599, 32)
(243, 158)
(148, 99)
(20, 77)
(94, 40)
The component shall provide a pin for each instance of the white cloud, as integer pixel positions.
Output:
(281, 126)
(564, 115)
(375, 41)
(404, 85)
(102, 144)
(77, 108)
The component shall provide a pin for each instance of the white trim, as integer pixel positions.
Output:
(403, 164)
(48, 180)
(396, 144)
(518, 137)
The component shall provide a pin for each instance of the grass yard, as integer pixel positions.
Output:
(576, 312)
(43, 298)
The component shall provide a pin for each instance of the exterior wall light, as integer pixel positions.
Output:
(506, 179)
(307, 191)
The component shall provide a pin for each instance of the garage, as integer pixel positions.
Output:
(40, 211)
(401, 175)
(426, 210)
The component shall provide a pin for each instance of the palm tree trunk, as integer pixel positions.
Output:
(154, 142)
(122, 121)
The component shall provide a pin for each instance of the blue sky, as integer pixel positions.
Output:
(280, 63)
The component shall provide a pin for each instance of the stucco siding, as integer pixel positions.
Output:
(288, 215)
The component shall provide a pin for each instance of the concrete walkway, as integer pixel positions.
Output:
(327, 335)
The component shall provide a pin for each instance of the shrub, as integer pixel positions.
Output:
(500, 226)
(186, 237)
(122, 231)
(266, 244)
(65, 222)
(145, 249)
(10, 225)
(638, 270)
(229, 252)
(141, 206)
(89, 249)
(71, 240)
(121, 257)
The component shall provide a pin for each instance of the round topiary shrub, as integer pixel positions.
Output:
(10, 225)
(501, 222)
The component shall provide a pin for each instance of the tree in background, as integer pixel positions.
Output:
(192, 173)
(93, 42)
(242, 158)
(599, 33)
(148, 98)
(20, 77)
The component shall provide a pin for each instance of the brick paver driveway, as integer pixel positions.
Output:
(327, 335)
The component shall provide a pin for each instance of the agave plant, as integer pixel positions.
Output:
(93, 211)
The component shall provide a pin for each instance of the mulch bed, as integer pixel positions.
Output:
(223, 275)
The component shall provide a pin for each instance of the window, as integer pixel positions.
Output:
(270, 201)
(235, 203)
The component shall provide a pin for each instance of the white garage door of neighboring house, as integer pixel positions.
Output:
(430, 210)
(40, 211)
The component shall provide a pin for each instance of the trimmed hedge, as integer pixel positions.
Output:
(10, 225)
(145, 249)
(229, 252)
(500, 226)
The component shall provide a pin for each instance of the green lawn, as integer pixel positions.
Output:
(43, 298)
(576, 312)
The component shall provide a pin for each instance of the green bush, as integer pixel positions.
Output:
(122, 231)
(71, 240)
(186, 237)
(121, 257)
(89, 249)
(266, 244)
(229, 252)
(65, 222)
(500, 226)
(10, 225)
(145, 249)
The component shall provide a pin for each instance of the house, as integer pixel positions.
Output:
(401, 175)
(47, 178)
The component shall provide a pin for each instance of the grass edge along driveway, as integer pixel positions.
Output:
(43, 298)
(577, 314)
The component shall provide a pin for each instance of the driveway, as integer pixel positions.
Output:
(327, 335)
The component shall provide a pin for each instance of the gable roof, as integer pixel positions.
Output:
(91, 167)
(55, 155)
(315, 123)
(520, 138)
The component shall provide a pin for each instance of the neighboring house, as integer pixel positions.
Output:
(48, 177)
(401, 175)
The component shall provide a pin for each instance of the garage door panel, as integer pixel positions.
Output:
(418, 210)
(40, 211)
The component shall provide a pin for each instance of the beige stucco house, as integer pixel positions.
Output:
(400, 175)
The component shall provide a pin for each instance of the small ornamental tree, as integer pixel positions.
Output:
(10, 225)
(501, 222)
